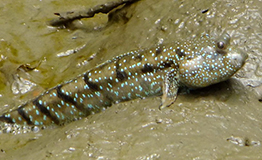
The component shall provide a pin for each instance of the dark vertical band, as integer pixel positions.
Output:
(24, 115)
(120, 75)
(45, 111)
(6, 119)
(92, 86)
(69, 99)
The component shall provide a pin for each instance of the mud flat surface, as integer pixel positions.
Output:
(219, 122)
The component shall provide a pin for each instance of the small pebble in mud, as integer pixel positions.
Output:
(159, 120)
(205, 11)
(241, 141)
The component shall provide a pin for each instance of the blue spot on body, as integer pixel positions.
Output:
(57, 115)
(36, 123)
(86, 86)
(90, 106)
(37, 112)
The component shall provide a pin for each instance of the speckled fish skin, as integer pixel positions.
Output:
(160, 71)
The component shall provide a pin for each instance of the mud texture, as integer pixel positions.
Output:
(222, 121)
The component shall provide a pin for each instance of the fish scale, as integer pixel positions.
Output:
(195, 63)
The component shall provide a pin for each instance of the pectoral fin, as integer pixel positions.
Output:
(170, 89)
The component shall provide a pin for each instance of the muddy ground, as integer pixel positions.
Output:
(222, 121)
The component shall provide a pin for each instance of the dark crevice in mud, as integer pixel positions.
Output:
(65, 19)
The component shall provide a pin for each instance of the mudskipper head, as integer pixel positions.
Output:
(208, 61)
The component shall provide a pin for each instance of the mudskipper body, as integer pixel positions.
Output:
(163, 70)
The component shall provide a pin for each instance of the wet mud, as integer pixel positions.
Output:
(222, 121)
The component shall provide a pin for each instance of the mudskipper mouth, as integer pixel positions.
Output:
(239, 58)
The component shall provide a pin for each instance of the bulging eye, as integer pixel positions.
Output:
(223, 41)
(221, 45)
